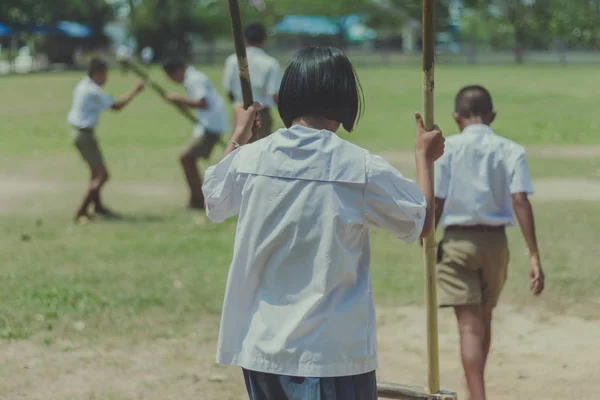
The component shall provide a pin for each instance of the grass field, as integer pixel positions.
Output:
(160, 270)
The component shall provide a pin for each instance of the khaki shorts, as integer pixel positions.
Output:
(202, 146)
(85, 141)
(472, 267)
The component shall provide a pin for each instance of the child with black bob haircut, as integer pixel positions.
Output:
(298, 315)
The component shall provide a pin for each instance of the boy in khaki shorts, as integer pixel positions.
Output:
(89, 100)
(211, 114)
(481, 182)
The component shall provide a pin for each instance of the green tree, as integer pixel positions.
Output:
(93, 13)
(166, 25)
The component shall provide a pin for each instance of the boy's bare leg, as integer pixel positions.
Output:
(472, 330)
(102, 178)
(194, 180)
(99, 177)
(486, 312)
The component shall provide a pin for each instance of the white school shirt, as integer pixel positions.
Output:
(265, 76)
(477, 175)
(298, 299)
(214, 118)
(89, 100)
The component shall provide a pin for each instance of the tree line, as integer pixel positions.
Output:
(166, 25)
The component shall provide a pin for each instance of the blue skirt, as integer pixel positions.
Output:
(263, 386)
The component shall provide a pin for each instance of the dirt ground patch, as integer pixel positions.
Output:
(32, 195)
(582, 151)
(406, 159)
(24, 191)
(566, 189)
(535, 355)
(36, 196)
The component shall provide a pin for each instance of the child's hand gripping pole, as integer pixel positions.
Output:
(242, 59)
(158, 89)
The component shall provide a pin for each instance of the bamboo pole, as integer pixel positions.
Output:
(242, 59)
(158, 89)
(429, 247)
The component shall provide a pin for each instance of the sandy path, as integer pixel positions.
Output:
(406, 158)
(33, 197)
(22, 192)
(534, 356)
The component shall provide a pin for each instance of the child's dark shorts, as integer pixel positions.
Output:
(202, 146)
(263, 386)
(85, 141)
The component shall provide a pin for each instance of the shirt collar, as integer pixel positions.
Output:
(90, 81)
(478, 129)
(298, 130)
(252, 49)
(189, 71)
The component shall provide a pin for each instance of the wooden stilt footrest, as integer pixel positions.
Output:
(403, 392)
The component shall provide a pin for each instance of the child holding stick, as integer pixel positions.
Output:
(89, 101)
(209, 107)
(298, 315)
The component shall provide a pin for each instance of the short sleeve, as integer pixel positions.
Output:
(228, 74)
(274, 81)
(393, 202)
(105, 100)
(442, 176)
(520, 180)
(197, 89)
(222, 189)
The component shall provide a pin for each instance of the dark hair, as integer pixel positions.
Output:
(96, 65)
(321, 82)
(473, 101)
(255, 33)
(173, 64)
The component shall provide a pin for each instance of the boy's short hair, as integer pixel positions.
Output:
(173, 64)
(473, 101)
(321, 82)
(255, 33)
(97, 65)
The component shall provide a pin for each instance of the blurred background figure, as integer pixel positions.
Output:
(147, 55)
(209, 106)
(265, 75)
(123, 55)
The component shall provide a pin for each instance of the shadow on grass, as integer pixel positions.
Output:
(136, 218)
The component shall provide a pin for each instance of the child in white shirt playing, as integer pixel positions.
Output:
(89, 101)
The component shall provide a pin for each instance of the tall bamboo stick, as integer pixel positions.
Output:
(433, 363)
(242, 59)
